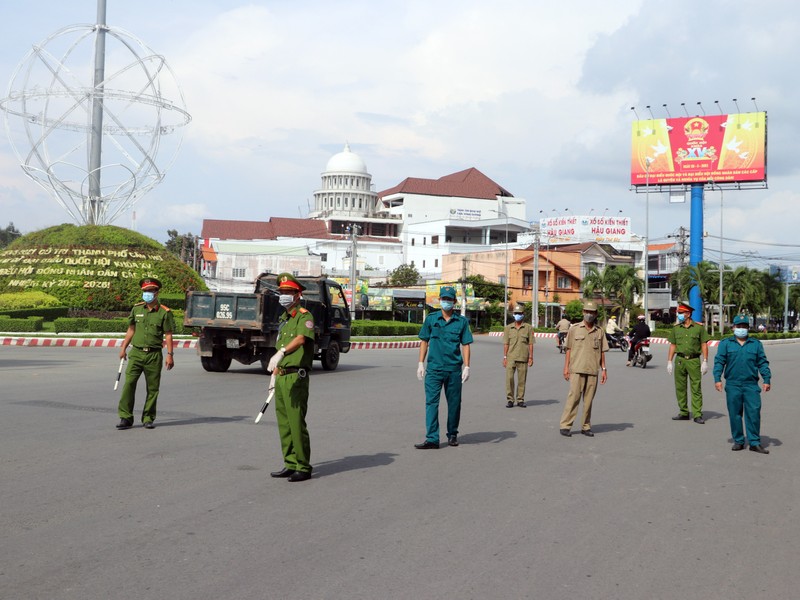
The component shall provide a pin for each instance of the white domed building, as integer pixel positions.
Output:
(347, 197)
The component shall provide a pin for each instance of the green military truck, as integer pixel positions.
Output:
(244, 327)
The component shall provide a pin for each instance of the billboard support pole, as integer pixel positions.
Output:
(786, 309)
(696, 247)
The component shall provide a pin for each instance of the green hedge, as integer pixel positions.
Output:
(48, 314)
(89, 325)
(173, 301)
(71, 325)
(380, 328)
(29, 325)
(107, 325)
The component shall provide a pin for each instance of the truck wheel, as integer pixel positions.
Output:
(207, 363)
(216, 363)
(330, 357)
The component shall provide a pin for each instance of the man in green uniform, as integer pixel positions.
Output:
(586, 347)
(149, 324)
(291, 366)
(688, 344)
(448, 336)
(741, 358)
(517, 356)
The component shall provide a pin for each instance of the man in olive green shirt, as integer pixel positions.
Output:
(688, 344)
(586, 347)
(517, 356)
(291, 366)
(149, 324)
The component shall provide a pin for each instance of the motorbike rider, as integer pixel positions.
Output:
(563, 328)
(613, 331)
(640, 331)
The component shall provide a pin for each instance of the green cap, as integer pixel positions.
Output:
(287, 281)
(447, 291)
(741, 320)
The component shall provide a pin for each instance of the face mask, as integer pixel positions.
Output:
(286, 300)
(447, 305)
(518, 318)
(681, 317)
(589, 317)
(740, 332)
(148, 296)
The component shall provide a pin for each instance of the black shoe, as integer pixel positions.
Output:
(509, 404)
(452, 440)
(125, 424)
(737, 447)
(680, 418)
(565, 432)
(299, 476)
(149, 425)
(426, 445)
(699, 420)
(284, 472)
(521, 404)
(587, 432)
(760, 449)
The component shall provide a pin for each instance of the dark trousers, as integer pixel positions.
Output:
(744, 399)
(435, 380)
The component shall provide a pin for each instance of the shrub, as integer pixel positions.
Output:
(107, 325)
(384, 328)
(29, 325)
(23, 300)
(71, 324)
(48, 314)
(173, 301)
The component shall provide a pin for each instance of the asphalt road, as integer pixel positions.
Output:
(647, 509)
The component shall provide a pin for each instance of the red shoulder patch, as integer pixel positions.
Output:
(166, 308)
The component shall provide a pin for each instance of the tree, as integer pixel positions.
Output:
(604, 283)
(628, 285)
(705, 276)
(574, 310)
(8, 235)
(494, 292)
(404, 276)
(184, 246)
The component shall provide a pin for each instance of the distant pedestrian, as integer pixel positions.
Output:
(149, 325)
(740, 359)
(448, 337)
(517, 356)
(585, 358)
(562, 327)
(688, 344)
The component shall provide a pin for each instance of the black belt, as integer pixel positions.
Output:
(689, 356)
(301, 371)
(145, 349)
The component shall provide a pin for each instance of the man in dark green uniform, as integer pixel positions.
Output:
(149, 324)
(291, 366)
(448, 336)
(741, 359)
(688, 344)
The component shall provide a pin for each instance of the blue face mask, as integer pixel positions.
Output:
(740, 332)
(518, 318)
(681, 317)
(148, 296)
(447, 305)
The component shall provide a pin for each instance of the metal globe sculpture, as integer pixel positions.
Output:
(89, 112)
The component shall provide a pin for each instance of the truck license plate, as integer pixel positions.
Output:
(232, 343)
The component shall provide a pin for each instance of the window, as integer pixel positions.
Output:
(563, 282)
(323, 256)
(424, 240)
(435, 262)
(423, 264)
(412, 241)
(501, 279)
(435, 240)
(527, 279)
(238, 272)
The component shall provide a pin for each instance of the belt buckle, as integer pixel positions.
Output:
(145, 349)
(302, 373)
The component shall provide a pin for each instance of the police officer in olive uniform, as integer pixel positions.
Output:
(448, 337)
(688, 344)
(149, 324)
(586, 347)
(741, 359)
(291, 366)
(517, 356)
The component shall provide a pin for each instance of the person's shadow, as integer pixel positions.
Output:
(486, 437)
(609, 427)
(710, 414)
(541, 402)
(198, 420)
(353, 463)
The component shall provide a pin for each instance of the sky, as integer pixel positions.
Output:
(536, 95)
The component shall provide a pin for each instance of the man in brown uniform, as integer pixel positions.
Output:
(586, 344)
(517, 356)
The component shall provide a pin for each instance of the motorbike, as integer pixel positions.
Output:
(641, 353)
(562, 336)
(617, 340)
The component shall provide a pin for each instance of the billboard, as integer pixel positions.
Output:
(432, 293)
(720, 148)
(578, 229)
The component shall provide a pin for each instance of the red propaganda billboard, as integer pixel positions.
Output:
(722, 148)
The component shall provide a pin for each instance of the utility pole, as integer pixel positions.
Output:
(535, 283)
(464, 260)
(353, 257)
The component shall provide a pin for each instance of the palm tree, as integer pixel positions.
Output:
(705, 276)
(629, 286)
(745, 288)
(618, 283)
(603, 283)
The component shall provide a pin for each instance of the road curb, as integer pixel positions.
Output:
(65, 342)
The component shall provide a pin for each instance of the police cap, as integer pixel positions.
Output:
(150, 283)
(287, 281)
(590, 305)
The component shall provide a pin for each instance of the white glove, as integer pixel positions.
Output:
(276, 358)
(704, 367)
(669, 368)
(465, 375)
(421, 371)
